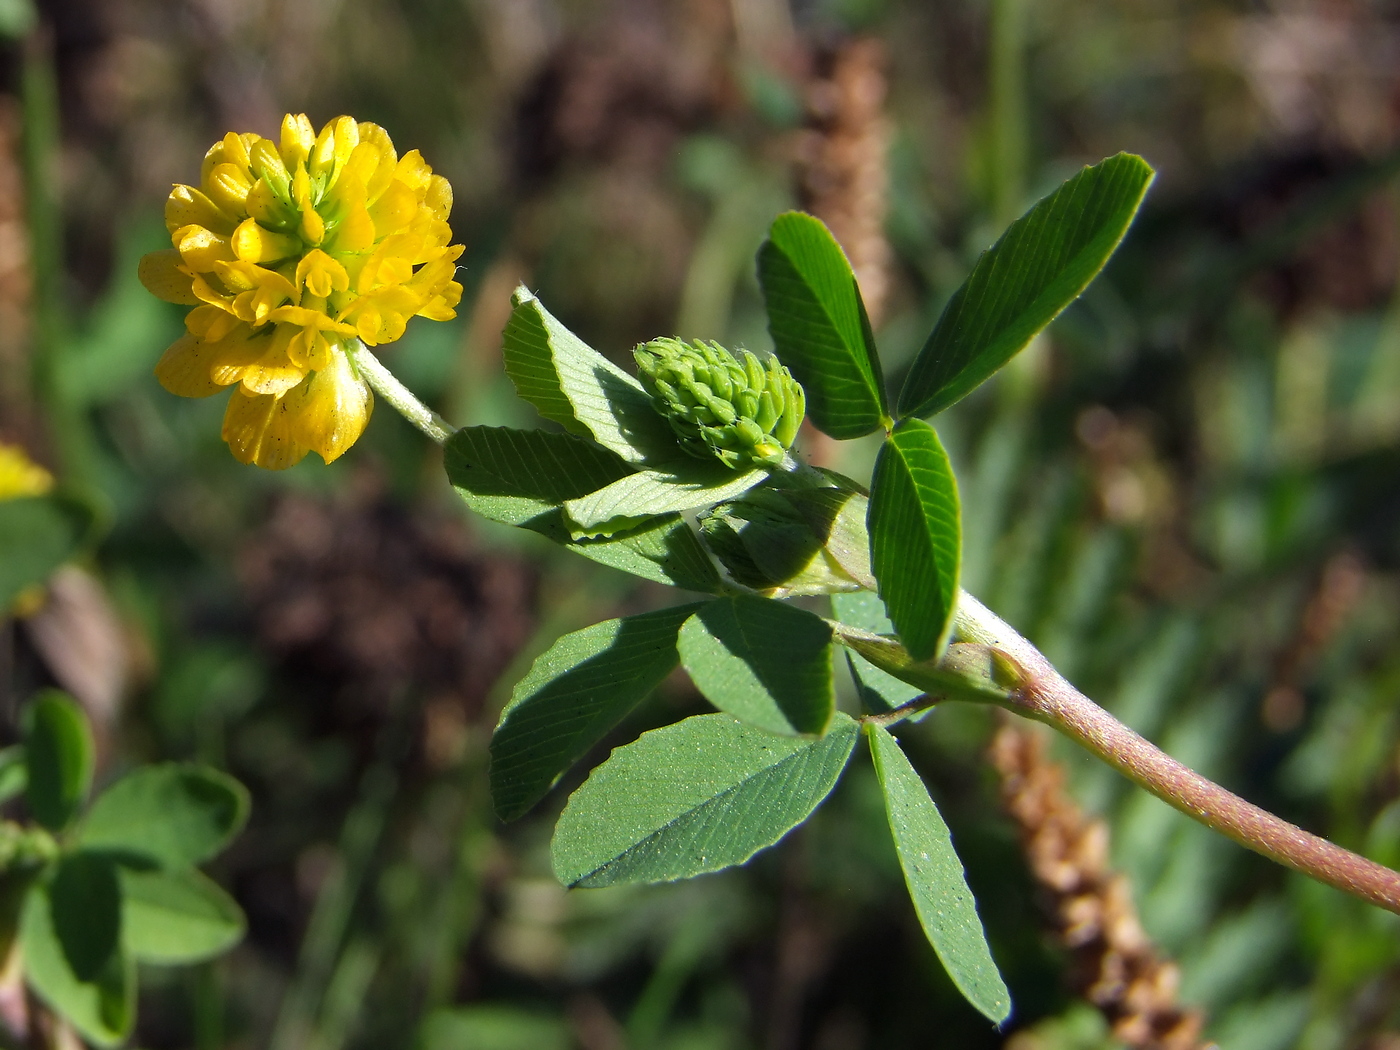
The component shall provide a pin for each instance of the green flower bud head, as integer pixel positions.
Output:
(721, 404)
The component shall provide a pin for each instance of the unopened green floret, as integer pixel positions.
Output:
(721, 404)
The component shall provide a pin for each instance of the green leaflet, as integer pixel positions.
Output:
(697, 796)
(523, 478)
(665, 549)
(636, 497)
(86, 906)
(102, 1010)
(934, 875)
(1040, 265)
(792, 541)
(915, 536)
(59, 756)
(173, 917)
(820, 328)
(766, 663)
(172, 816)
(578, 690)
(879, 690)
(580, 389)
(37, 535)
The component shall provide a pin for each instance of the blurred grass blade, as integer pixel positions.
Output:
(694, 797)
(59, 755)
(14, 776)
(1040, 265)
(171, 815)
(171, 917)
(577, 691)
(326, 931)
(935, 879)
(915, 536)
(492, 1027)
(17, 18)
(765, 663)
(575, 386)
(820, 328)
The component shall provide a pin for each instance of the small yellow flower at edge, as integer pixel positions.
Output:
(20, 476)
(286, 252)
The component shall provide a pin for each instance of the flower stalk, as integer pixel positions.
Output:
(386, 385)
(1046, 696)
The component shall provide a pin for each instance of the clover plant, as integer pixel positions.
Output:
(684, 475)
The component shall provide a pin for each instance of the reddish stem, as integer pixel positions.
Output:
(1046, 696)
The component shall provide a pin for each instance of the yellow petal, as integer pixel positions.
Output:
(267, 165)
(210, 322)
(382, 316)
(240, 276)
(413, 171)
(434, 276)
(161, 274)
(439, 196)
(232, 355)
(388, 158)
(301, 347)
(322, 159)
(186, 206)
(201, 248)
(442, 307)
(355, 233)
(185, 367)
(297, 139)
(256, 427)
(330, 410)
(313, 227)
(320, 274)
(394, 269)
(254, 244)
(361, 164)
(274, 372)
(265, 205)
(228, 186)
(236, 150)
(301, 189)
(347, 137)
(394, 210)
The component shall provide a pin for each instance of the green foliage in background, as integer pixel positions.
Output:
(95, 889)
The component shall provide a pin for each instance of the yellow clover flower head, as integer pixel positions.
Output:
(287, 251)
(20, 476)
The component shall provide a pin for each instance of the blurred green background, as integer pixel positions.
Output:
(1187, 493)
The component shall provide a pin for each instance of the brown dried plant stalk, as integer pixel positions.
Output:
(842, 164)
(1115, 965)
